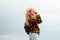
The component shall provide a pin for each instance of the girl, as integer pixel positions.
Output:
(31, 24)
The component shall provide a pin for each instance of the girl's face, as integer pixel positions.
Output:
(33, 12)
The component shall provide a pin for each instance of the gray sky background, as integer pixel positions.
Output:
(12, 18)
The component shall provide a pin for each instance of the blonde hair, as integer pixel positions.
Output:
(28, 10)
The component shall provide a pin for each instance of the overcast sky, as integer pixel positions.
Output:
(12, 18)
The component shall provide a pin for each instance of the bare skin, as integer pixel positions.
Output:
(33, 13)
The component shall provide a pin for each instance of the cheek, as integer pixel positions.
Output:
(32, 13)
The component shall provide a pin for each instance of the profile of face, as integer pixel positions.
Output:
(32, 11)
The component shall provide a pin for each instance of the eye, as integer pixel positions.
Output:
(35, 12)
